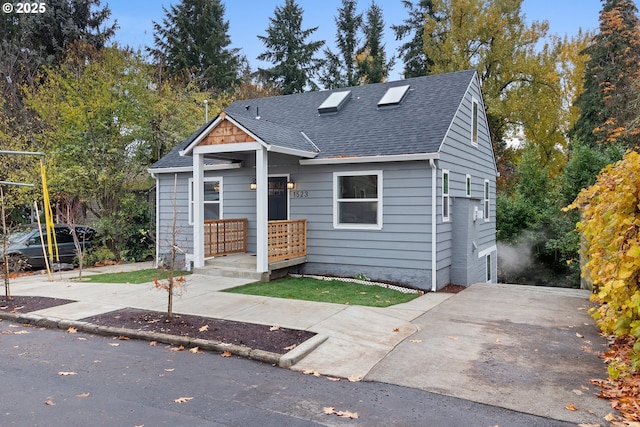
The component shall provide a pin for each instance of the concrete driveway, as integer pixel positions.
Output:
(530, 349)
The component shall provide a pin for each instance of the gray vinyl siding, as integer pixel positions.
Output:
(167, 186)
(461, 157)
(399, 252)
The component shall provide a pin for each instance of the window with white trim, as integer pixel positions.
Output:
(474, 121)
(468, 185)
(487, 195)
(446, 205)
(357, 199)
(488, 266)
(212, 198)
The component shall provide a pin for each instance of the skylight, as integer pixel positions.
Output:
(334, 102)
(394, 96)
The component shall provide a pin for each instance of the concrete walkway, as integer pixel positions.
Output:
(524, 348)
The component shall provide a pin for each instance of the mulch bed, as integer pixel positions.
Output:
(261, 337)
(25, 304)
(269, 338)
(452, 289)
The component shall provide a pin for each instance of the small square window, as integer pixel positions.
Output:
(358, 200)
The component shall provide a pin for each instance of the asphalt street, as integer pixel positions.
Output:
(55, 378)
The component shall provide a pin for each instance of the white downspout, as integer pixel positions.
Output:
(434, 230)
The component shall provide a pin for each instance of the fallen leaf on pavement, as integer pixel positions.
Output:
(609, 417)
(114, 344)
(333, 378)
(83, 395)
(396, 330)
(570, 407)
(195, 350)
(589, 425)
(578, 392)
(49, 403)
(415, 341)
(291, 347)
(355, 378)
(181, 348)
(274, 328)
(81, 339)
(579, 335)
(153, 343)
(584, 387)
(66, 374)
(183, 399)
(226, 353)
(497, 340)
(170, 369)
(203, 328)
(72, 330)
(20, 332)
(123, 338)
(330, 410)
(453, 338)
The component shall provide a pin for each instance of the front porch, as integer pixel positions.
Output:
(225, 247)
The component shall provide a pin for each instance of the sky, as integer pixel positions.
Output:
(250, 18)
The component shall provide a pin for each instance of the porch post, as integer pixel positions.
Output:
(262, 210)
(198, 210)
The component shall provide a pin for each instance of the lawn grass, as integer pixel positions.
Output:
(133, 277)
(335, 291)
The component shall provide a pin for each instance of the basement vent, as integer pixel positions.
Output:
(334, 102)
(394, 96)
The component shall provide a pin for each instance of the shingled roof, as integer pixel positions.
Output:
(359, 128)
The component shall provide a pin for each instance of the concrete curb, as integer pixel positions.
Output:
(209, 345)
(301, 351)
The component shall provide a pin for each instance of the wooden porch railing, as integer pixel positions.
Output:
(225, 236)
(287, 239)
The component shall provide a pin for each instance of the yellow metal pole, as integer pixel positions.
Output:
(48, 215)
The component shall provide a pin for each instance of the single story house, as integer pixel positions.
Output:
(395, 181)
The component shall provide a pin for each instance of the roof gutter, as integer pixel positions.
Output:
(434, 231)
(371, 159)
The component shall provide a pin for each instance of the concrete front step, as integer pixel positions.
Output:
(239, 265)
(232, 272)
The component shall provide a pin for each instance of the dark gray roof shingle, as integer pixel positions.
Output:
(359, 128)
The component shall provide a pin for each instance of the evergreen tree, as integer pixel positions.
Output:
(193, 39)
(33, 40)
(416, 62)
(286, 48)
(340, 68)
(372, 59)
(608, 81)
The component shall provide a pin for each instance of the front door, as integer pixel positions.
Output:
(278, 198)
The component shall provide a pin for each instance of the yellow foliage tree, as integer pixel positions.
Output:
(610, 227)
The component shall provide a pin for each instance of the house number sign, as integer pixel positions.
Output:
(300, 194)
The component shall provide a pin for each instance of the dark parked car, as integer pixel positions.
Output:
(25, 249)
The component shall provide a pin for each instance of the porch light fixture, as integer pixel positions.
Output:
(253, 184)
(291, 185)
